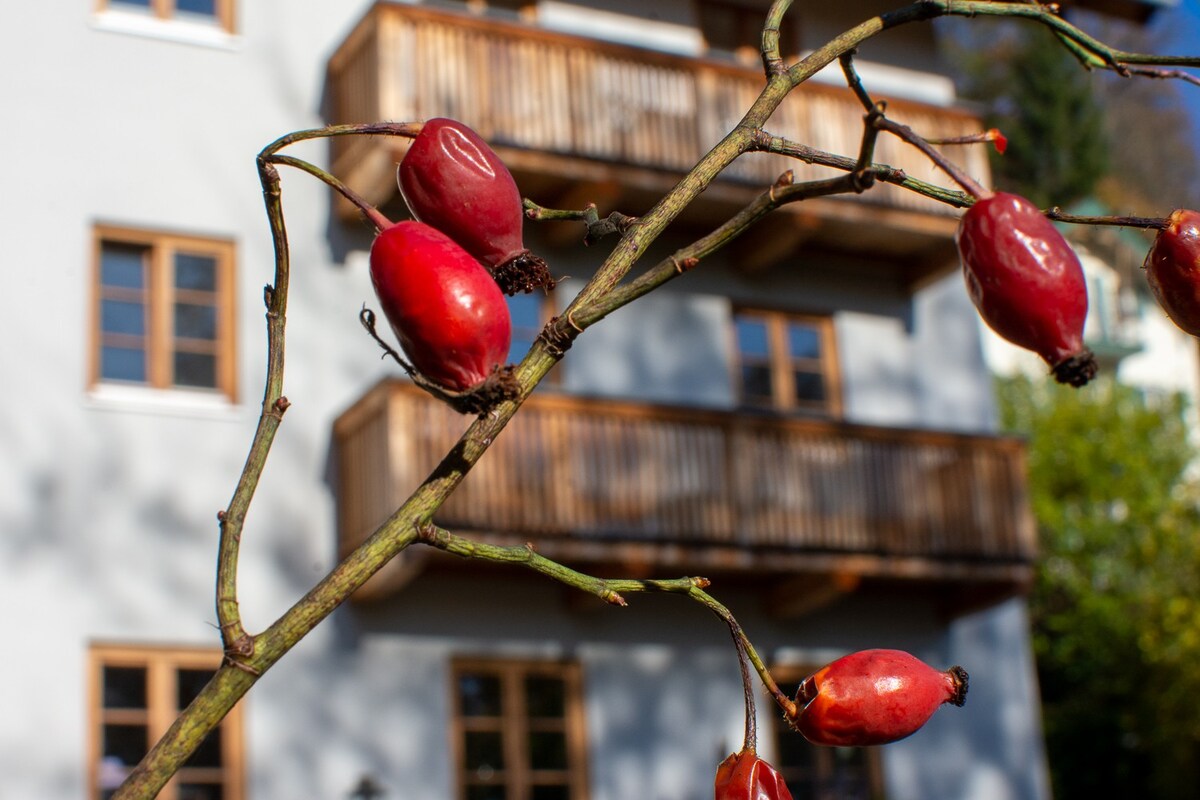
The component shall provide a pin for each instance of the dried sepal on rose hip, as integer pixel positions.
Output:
(1027, 282)
(1173, 269)
(447, 312)
(452, 180)
(873, 697)
(745, 776)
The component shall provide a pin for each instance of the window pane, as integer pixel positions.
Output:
(188, 684)
(756, 383)
(122, 364)
(124, 687)
(486, 793)
(196, 369)
(526, 313)
(138, 3)
(200, 791)
(484, 752)
(551, 793)
(194, 321)
(804, 341)
(195, 271)
(206, 7)
(547, 750)
(810, 387)
(124, 743)
(121, 316)
(752, 337)
(479, 695)
(123, 265)
(545, 697)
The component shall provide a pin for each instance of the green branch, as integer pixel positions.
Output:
(609, 590)
(249, 657)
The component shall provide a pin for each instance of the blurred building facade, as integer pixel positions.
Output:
(806, 418)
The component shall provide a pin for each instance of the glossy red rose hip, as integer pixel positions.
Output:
(453, 181)
(1027, 282)
(1173, 269)
(874, 697)
(448, 313)
(745, 776)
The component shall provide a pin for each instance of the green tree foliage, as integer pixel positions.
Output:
(1116, 604)
(1046, 104)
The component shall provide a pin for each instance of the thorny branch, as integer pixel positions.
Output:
(248, 656)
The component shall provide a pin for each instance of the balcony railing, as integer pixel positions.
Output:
(535, 92)
(692, 489)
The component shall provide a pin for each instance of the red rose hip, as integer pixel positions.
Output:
(745, 776)
(448, 313)
(874, 697)
(1173, 269)
(1027, 282)
(452, 180)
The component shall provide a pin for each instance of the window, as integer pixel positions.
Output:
(518, 731)
(163, 311)
(530, 313)
(205, 12)
(823, 773)
(734, 30)
(787, 362)
(135, 693)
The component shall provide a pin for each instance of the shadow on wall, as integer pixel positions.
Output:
(948, 333)
(685, 363)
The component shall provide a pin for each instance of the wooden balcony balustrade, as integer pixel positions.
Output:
(686, 490)
(567, 111)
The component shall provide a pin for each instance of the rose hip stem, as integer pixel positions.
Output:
(373, 214)
(969, 184)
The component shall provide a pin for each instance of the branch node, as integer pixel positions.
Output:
(788, 178)
(613, 598)
(558, 337)
(682, 265)
(243, 666)
(239, 649)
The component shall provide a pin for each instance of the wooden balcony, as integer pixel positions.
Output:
(580, 120)
(645, 489)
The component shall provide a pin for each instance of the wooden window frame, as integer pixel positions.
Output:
(159, 297)
(794, 674)
(516, 727)
(164, 10)
(161, 663)
(781, 362)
